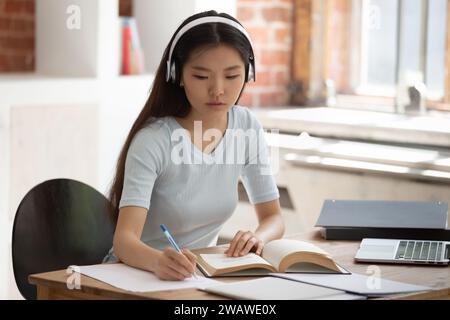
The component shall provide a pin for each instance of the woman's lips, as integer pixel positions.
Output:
(215, 103)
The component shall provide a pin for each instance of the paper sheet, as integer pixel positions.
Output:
(131, 279)
(355, 283)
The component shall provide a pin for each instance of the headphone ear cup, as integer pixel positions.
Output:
(173, 72)
(250, 73)
(167, 71)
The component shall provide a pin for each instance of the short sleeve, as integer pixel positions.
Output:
(256, 174)
(144, 163)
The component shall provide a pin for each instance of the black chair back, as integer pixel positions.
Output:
(58, 223)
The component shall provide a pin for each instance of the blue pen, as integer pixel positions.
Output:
(173, 243)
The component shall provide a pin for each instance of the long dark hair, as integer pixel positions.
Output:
(169, 99)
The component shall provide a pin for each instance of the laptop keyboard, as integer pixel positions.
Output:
(427, 251)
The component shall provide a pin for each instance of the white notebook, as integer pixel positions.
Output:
(270, 288)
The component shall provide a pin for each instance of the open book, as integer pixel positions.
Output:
(283, 255)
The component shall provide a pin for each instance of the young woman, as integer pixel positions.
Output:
(171, 169)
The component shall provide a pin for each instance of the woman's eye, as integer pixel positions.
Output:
(233, 77)
(200, 77)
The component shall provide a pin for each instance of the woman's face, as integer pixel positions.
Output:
(213, 79)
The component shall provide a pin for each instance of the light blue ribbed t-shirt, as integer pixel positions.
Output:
(191, 192)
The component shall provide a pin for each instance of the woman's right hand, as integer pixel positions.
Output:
(172, 265)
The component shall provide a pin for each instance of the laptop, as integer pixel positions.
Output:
(404, 251)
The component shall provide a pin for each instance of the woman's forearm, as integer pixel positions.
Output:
(270, 228)
(135, 253)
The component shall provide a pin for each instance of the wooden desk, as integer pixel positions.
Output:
(52, 285)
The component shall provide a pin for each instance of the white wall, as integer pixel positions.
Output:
(79, 123)
(121, 100)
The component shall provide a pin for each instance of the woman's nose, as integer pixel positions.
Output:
(216, 88)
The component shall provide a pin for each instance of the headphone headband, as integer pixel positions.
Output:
(214, 19)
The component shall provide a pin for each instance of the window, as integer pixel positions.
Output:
(393, 50)
(372, 51)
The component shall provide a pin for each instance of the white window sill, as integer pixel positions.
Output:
(430, 130)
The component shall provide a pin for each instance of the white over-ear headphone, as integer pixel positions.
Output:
(171, 74)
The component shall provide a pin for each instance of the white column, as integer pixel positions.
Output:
(228, 6)
(108, 44)
(158, 20)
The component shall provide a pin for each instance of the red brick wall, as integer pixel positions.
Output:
(125, 8)
(17, 35)
(269, 23)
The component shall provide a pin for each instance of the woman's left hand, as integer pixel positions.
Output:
(244, 242)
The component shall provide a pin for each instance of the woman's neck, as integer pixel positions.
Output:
(205, 144)
(219, 121)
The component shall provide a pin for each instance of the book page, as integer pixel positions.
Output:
(221, 261)
(276, 250)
